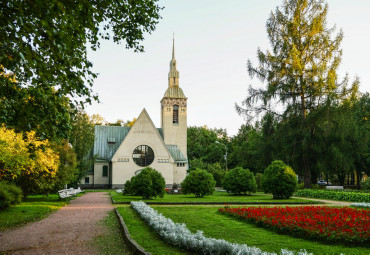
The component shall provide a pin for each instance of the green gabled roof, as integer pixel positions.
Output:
(109, 138)
(176, 154)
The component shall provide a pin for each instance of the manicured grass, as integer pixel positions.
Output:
(217, 196)
(218, 226)
(35, 208)
(144, 235)
(111, 242)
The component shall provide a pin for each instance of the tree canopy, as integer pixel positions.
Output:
(300, 71)
(43, 53)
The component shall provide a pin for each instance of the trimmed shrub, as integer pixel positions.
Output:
(239, 180)
(342, 195)
(9, 195)
(148, 183)
(279, 179)
(127, 190)
(198, 182)
(365, 185)
(258, 178)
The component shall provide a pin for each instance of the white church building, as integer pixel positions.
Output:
(121, 152)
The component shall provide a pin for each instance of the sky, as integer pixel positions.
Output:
(213, 41)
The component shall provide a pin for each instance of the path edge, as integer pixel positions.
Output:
(134, 246)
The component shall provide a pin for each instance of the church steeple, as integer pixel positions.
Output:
(173, 75)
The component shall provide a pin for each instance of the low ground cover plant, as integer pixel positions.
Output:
(239, 181)
(180, 236)
(335, 195)
(279, 179)
(337, 225)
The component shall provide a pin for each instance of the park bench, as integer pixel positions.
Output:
(66, 193)
(334, 187)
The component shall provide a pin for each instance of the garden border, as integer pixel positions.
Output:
(223, 203)
(134, 246)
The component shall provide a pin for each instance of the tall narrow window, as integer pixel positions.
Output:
(175, 116)
(174, 80)
(105, 171)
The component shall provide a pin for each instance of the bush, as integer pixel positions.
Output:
(279, 179)
(127, 190)
(9, 195)
(239, 180)
(365, 185)
(335, 195)
(258, 178)
(199, 183)
(148, 183)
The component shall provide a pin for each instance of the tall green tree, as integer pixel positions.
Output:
(300, 71)
(82, 139)
(43, 54)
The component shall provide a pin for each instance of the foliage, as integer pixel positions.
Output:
(198, 182)
(9, 195)
(335, 195)
(148, 183)
(206, 144)
(245, 144)
(279, 179)
(31, 163)
(67, 170)
(366, 184)
(128, 188)
(239, 180)
(365, 205)
(258, 179)
(179, 235)
(300, 72)
(217, 172)
(82, 139)
(45, 43)
(336, 225)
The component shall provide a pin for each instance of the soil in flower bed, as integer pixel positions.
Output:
(331, 224)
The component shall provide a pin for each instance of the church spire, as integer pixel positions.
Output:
(173, 75)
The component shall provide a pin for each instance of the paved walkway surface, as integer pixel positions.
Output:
(70, 230)
(328, 202)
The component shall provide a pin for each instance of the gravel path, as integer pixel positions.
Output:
(70, 230)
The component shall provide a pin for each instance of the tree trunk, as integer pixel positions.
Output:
(306, 161)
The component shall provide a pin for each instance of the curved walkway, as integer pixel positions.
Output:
(328, 202)
(70, 230)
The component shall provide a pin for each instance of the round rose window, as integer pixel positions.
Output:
(143, 155)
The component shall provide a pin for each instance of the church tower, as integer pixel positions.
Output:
(173, 110)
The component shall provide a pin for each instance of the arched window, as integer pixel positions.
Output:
(175, 116)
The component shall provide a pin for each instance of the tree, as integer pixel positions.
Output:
(239, 180)
(198, 182)
(82, 139)
(301, 70)
(279, 179)
(148, 183)
(43, 54)
(67, 170)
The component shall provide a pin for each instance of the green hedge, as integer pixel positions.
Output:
(9, 195)
(335, 195)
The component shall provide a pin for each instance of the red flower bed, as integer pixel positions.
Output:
(345, 225)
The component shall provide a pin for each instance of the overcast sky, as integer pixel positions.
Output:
(213, 41)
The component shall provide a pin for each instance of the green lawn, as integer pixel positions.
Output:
(219, 226)
(111, 241)
(36, 207)
(217, 196)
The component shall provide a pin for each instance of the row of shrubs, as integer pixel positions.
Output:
(335, 195)
(278, 179)
(9, 195)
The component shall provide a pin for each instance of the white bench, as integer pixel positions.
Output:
(334, 187)
(65, 193)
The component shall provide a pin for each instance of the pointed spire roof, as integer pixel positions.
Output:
(173, 47)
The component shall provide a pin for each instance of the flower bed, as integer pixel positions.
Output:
(344, 225)
(335, 195)
(180, 236)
